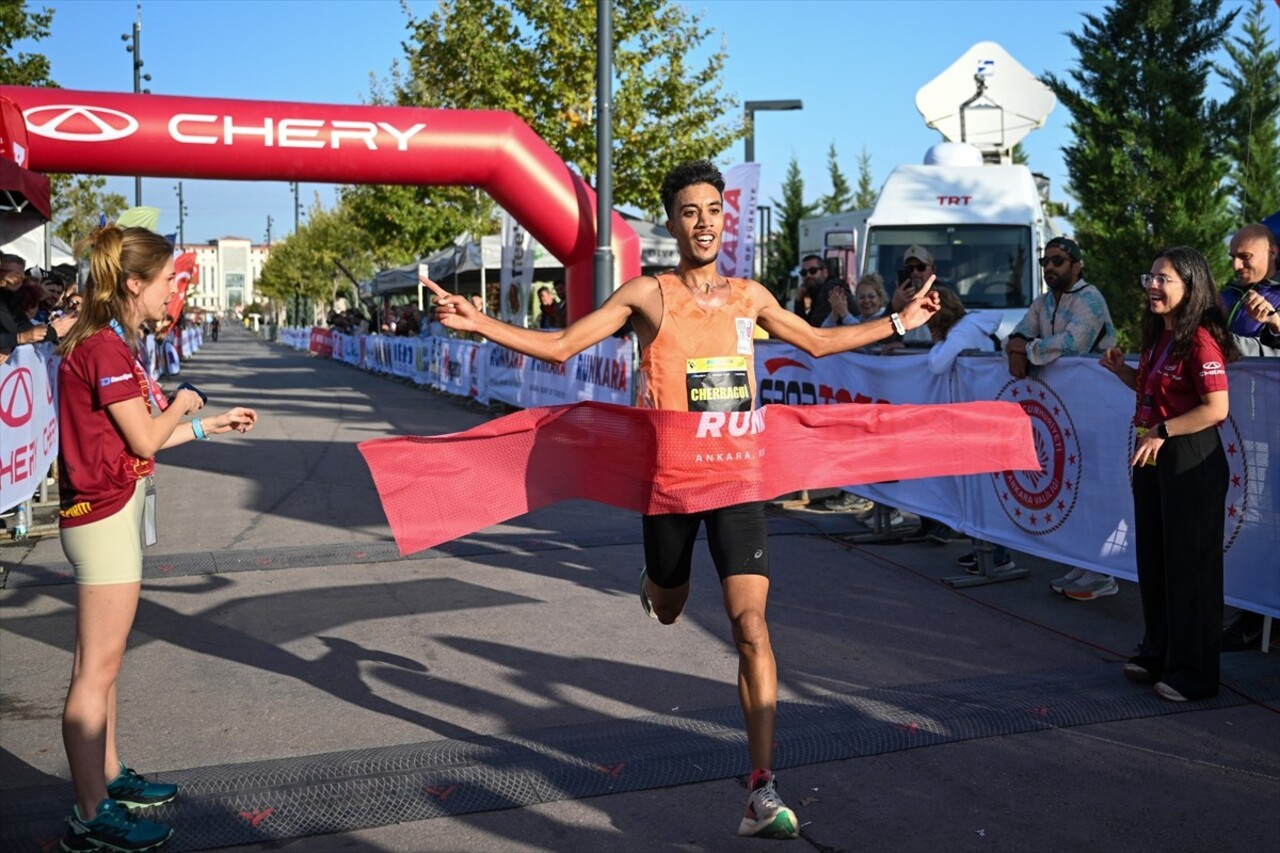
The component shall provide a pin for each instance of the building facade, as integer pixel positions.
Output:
(229, 271)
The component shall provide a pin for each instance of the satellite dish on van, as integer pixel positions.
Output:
(985, 99)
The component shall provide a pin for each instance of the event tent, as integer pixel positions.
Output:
(472, 266)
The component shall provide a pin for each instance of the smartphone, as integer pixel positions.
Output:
(204, 398)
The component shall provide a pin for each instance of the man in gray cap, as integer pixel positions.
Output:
(1071, 319)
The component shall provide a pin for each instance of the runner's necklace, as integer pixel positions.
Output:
(706, 287)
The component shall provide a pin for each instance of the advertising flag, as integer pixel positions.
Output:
(517, 271)
(741, 198)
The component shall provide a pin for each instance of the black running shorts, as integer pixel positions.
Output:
(735, 536)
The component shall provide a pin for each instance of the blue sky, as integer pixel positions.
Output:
(856, 64)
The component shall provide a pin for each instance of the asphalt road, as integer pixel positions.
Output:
(313, 691)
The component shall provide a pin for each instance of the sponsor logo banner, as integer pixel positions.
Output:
(28, 421)
(1078, 508)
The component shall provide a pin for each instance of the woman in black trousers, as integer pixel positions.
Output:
(1180, 475)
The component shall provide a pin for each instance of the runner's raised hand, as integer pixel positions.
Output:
(453, 311)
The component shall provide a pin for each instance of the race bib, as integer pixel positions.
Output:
(718, 384)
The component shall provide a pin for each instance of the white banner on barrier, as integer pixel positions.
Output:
(1079, 510)
(28, 421)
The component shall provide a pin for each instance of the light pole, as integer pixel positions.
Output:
(297, 217)
(182, 213)
(136, 49)
(750, 109)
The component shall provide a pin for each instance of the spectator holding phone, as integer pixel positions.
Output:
(110, 435)
(1180, 475)
(917, 268)
(16, 327)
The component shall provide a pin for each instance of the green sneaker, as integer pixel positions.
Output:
(114, 828)
(131, 790)
(766, 815)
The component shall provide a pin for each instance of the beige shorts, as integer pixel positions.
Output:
(110, 550)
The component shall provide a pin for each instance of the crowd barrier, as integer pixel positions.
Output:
(1078, 510)
(481, 371)
(28, 413)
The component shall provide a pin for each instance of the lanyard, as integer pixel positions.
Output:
(1153, 383)
(149, 385)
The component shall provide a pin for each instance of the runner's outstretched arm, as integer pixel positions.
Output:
(457, 313)
(787, 326)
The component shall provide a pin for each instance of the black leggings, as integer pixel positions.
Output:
(735, 536)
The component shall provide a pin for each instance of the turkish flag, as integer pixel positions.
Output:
(186, 274)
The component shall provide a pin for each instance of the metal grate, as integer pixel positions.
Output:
(273, 800)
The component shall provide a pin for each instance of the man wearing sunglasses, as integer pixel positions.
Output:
(917, 266)
(813, 274)
(1071, 319)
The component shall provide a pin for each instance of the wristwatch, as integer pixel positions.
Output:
(1162, 430)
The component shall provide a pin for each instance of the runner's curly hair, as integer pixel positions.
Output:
(686, 175)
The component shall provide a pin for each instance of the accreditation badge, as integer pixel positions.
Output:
(718, 384)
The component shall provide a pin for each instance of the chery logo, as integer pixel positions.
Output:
(15, 398)
(76, 123)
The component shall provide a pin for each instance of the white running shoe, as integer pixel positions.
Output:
(1059, 584)
(766, 815)
(1091, 586)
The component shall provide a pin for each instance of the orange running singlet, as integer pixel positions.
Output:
(700, 360)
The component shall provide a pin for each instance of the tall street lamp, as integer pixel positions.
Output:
(752, 107)
(182, 215)
(136, 49)
(297, 223)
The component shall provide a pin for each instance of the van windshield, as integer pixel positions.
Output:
(989, 266)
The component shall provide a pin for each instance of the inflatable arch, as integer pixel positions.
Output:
(108, 133)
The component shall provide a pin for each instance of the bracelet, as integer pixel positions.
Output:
(197, 430)
(898, 327)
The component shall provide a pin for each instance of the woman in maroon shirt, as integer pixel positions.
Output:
(1179, 475)
(108, 438)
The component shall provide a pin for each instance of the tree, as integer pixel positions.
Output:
(841, 196)
(867, 195)
(80, 204)
(78, 201)
(1253, 115)
(399, 224)
(305, 265)
(537, 58)
(1143, 169)
(784, 254)
(17, 23)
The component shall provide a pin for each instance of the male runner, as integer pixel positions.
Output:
(695, 332)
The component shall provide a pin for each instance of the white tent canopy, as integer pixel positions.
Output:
(468, 261)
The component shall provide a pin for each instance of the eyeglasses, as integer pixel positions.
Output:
(917, 267)
(1161, 281)
(810, 270)
(1054, 260)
